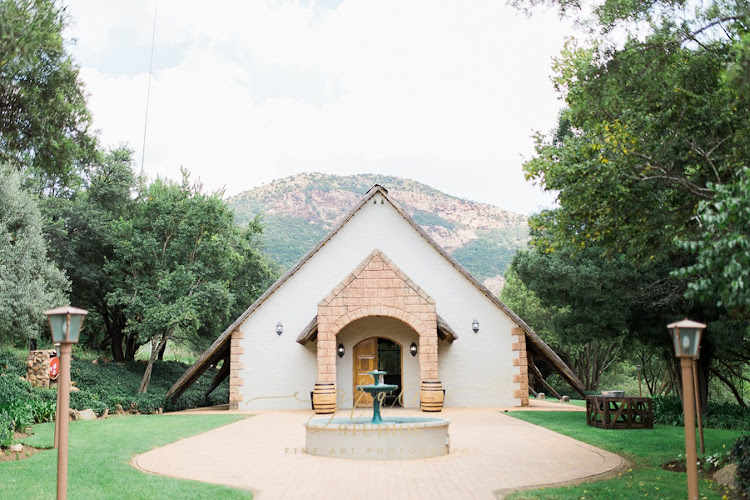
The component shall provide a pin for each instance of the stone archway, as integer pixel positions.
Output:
(377, 287)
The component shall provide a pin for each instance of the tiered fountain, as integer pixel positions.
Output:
(375, 390)
(389, 438)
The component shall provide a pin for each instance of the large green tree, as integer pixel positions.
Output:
(653, 125)
(81, 229)
(654, 129)
(29, 281)
(44, 123)
(176, 259)
(595, 303)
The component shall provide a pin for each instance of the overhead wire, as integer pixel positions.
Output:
(148, 91)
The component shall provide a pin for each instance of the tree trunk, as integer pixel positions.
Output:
(155, 348)
(130, 347)
(114, 323)
(116, 338)
(704, 371)
(160, 357)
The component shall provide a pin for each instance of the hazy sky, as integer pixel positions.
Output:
(243, 92)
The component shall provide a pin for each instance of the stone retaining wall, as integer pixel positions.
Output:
(37, 367)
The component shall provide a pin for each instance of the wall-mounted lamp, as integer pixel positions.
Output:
(475, 326)
(341, 350)
(413, 349)
(279, 328)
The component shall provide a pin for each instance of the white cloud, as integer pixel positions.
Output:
(444, 92)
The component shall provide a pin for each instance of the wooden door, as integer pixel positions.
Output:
(365, 360)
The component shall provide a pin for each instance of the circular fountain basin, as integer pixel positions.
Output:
(397, 438)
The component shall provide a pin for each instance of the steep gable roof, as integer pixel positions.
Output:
(220, 347)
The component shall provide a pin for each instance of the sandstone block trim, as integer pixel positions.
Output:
(520, 366)
(376, 287)
(236, 350)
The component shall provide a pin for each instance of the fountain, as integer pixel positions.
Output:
(375, 390)
(389, 438)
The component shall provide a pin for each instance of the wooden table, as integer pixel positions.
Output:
(619, 412)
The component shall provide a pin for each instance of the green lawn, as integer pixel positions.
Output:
(647, 450)
(100, 452)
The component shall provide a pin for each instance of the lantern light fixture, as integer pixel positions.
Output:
(413, 349)
(65, 324)
(475, 326)
(341, 350)
(686, 338)
(279, 328)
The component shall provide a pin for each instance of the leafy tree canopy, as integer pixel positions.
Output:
(29, 282)
(44, 122)
(655, 127)
(81, 231)
(174, 265)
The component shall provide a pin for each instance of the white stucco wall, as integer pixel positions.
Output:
(476, 370)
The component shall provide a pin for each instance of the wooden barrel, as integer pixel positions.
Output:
(324, 398)
(432, 395)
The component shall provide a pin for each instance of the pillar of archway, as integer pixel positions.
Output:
(377, 287)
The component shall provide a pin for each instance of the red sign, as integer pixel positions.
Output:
(54, 368)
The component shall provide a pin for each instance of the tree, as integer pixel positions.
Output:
(29, 281)
(656, 122)
(593, 304)
(175, 261)
(722, 267)
(44, 123)
(82, 228)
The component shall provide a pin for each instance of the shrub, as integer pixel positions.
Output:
(44, 404)
(15, 402)
(6, 430)
(668, 410)
(84, 400)
(11, 364)
(727, 416)
(148, 403)
(741, 456)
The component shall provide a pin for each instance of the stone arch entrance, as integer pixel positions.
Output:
(377, 288)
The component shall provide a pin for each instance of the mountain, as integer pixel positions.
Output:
(298, 211)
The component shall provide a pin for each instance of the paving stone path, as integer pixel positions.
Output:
(491, 455)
